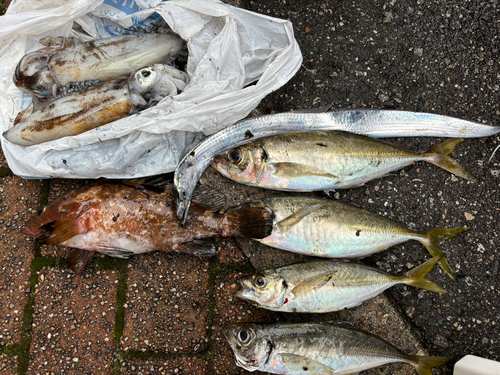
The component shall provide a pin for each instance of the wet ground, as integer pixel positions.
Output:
(163, 313)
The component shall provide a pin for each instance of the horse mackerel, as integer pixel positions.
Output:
(324, 286)
(316, 349)
(333, 229)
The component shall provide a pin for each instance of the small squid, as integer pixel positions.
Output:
(64, 61)
(96, 105)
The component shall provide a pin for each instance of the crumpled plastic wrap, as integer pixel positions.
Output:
(236, 57)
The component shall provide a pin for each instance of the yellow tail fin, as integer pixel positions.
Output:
(416, 277)
(436, 236)
(438, 155)
(424, 364)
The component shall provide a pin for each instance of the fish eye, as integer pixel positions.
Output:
(234, 155)
(145, 73)
(260, 282)
(244, 336)
(40, 211)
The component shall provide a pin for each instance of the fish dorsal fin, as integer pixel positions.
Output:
(292, 220)
(314, 283)
(209, 198)
(200, 248)
(291, 170)
(57, 232)
(79, 260)
(297, 364)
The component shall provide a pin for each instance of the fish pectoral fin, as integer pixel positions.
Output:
(314, 283)
(290, 170)
(209, 198)
(297, 364)
(57, 232)
(200, 248)
(292, 220)
(79, 260)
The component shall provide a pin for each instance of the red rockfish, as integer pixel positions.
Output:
(121, 219)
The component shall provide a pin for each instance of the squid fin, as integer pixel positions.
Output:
(79, 260)
(289, 170)
(292, 220)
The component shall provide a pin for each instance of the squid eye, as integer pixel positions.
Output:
(145, 73)
(234, 155)
(260, 282)
(243, 336)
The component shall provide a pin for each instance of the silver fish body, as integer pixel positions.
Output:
(332, 229)
(324, 286)
(316, 349)
(95, 106)
(68, 60)
(320, 160)
(375, 123)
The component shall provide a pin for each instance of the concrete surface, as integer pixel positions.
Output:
(163, 313)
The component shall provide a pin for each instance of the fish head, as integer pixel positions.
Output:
(34, 76)
(40, 226)
(251, 347)
(34, 226)
(244, 164)
(264, 290)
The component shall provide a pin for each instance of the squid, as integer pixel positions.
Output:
(64, 61)
(96, 105)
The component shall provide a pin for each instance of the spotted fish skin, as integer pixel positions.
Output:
(123, 219)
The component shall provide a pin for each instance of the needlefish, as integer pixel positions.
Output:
(333, 229)
(325, 286)
(316, 349)
(374, 123)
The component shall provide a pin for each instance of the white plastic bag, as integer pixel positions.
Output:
(229, 48)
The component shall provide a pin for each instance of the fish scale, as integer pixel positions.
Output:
(324, 286)
(332, 229)
(319, 160)
(120, 219)
(308, 348)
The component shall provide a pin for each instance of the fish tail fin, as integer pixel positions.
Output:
(415, 277)
(438, 155)
(437, 235)
(425, 364)
(250, 222)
